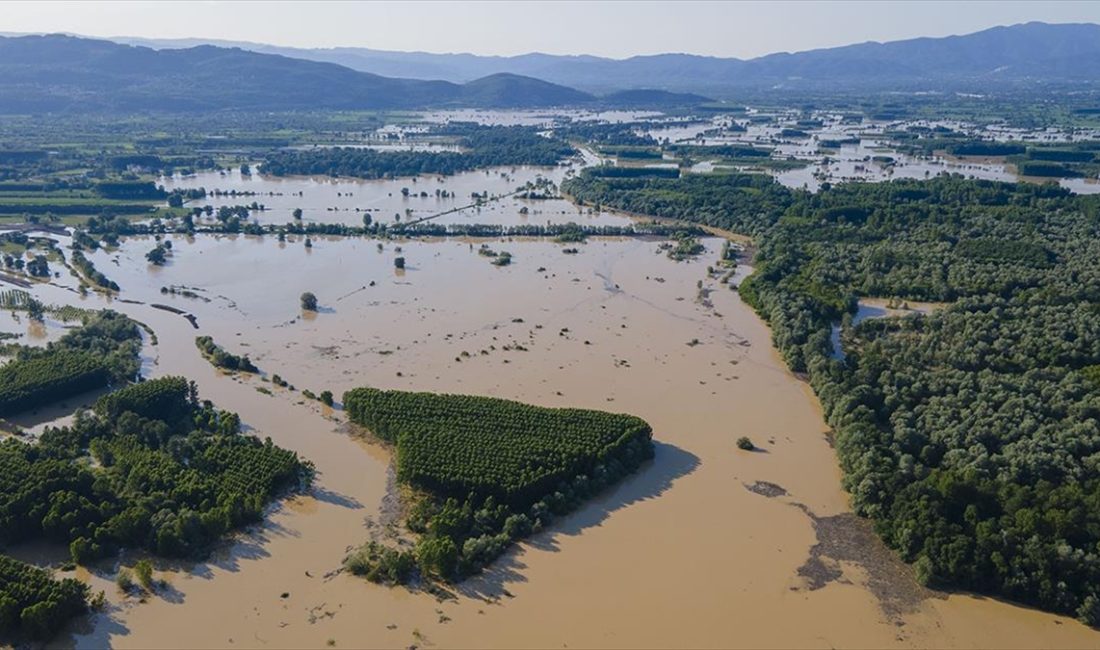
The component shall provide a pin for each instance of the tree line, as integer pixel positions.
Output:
(482, 146)
(968, 435)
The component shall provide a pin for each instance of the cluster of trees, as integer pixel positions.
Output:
(986, 148)
(610, 171)
(1062, 161)
(130, 189)
(633, 153)
(178, 196)
(43, 379)
(158, 256)
(222, 359)
(494, 471)
(33, 603)
(1044, 168)
(172, 476)
(482, 146)
(611, 134)
(91, 272)
(684, 247)
(969, 435)
(105, 349)
(747, 203)
(38, 267)
(721, 151)
(13, 262)
(1064, 154)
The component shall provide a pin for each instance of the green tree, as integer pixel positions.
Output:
(144, 572)
(437, 556)
(157, 256)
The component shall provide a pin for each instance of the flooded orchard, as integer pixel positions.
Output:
(709, 546)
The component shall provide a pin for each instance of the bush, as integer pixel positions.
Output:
(437, 556)
(380, 564)
(144, 572)
(125, 579)
(744, 443)
(308, 301)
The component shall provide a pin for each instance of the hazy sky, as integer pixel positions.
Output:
(615, 29)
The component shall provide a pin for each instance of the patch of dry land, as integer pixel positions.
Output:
(709, 546)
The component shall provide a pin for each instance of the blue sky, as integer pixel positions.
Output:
(616, 29)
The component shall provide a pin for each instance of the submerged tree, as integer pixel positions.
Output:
(157, 256)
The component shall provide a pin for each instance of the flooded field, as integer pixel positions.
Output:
(839, 150)
(710, 546)
(347, 201)
(534, 117)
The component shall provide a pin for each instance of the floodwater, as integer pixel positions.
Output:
(709, 546)
(348, 200)
(534, 117)
(856, 161)
(874, 308)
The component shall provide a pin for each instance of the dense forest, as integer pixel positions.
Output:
(971, 436)
(104, 350)
(481, 146)
(33, 603)
(493, 470)
(150, 467)
(172, 475)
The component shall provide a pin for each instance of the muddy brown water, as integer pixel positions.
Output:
(680, 555)
(348, 200)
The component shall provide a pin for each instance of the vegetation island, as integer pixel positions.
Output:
(485, 472)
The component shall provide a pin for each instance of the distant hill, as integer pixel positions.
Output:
(1019, 54)
(519, 92)
(64, 73)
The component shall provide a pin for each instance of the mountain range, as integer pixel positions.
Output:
(58, 73)
(1024, 53)
(65, 73)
